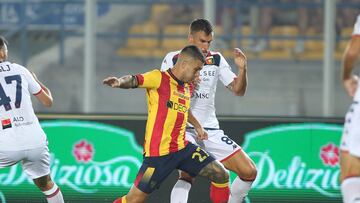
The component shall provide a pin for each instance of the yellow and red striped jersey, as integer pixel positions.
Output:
(168, 101)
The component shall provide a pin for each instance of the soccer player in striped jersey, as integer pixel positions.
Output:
(203, 107)
(21, 136)
(350, 142)
(165, 147)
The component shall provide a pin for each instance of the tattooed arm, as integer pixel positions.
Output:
(125, 82)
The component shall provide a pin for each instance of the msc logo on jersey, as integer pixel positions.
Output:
(176, 106)
(199, 95)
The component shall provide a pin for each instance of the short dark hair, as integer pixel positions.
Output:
(3, 42)
(201, 25)
(194, 52)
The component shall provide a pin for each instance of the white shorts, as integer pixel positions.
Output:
(350, 140)
(35, 162)
(218, 144)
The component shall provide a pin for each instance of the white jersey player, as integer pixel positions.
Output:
(203, 108)
(21, 137)
(350, 143)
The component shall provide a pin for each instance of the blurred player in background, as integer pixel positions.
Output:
(350, 143)
(203, 107)
(165, 147)
(21, 137)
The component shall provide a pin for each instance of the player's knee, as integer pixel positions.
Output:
(223, 176)
(250, 174)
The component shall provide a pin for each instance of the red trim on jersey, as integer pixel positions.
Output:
(191, 88)
(140, 79)
(226, 158)
(138, 178)
(38, 92)
(355, 35)
(53, 194)
(164, 96)
(174, 146)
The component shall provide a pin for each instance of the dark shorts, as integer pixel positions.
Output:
(154, 170)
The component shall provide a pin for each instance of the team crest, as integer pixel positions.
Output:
(210, 60)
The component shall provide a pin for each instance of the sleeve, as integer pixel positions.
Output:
(167, 62)
(226, 76)
(149, 80)
(34, 87)
(357, 27)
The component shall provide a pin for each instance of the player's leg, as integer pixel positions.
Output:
(350, 177)
(49, 188)
(350, 156)
(244, 167)
(152, 173)
(234, 159)
(181, 189)
(198, 162)
(135, 195)
(219, 177)
(37, 166)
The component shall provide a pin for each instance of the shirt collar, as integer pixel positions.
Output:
(174, 77)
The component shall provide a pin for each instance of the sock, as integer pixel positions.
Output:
(120, 200)
(219, 193)
(180, 192)
(239, 190)
(350, 189)
(54, 195)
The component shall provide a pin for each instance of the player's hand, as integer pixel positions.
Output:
(350, 85)
(240, 59)
(201, 134)
(112, 81)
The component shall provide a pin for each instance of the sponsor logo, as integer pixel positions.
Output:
(181, 95)
(76, 164)
(296, 159)
(83, 151)
(207, 73)
(6, 123)
(330, 155)
(176, 106)
(199, 95)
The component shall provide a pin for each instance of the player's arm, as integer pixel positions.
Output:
(44, 96)
(239, 84)
(201, 133)
(350, 58)
(125, 82)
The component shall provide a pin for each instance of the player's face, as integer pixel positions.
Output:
(192, 70)
(201, 40)
(4, 52)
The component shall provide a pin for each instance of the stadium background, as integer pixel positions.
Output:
(72, 54)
